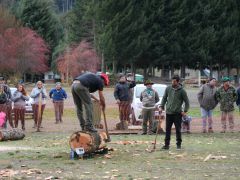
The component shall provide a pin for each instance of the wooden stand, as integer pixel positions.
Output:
(11, 134)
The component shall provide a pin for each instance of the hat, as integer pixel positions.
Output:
(2, 78)
(210, 79)
(225, 79)
(148, 82)
(58, 83)
(105, 79)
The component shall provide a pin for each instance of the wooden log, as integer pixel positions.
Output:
(90, 142)
(11, 134)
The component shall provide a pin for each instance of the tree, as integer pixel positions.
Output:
(78, 59)
(80, 25)
(39, 16)
(24, 52)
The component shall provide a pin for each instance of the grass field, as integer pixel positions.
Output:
(41, 155)
(45, 155)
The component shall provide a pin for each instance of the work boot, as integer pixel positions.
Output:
(165, 147)
(223, 131)
(210, 130)
(204, 131)
(90, 129)
(150, 133)
(178, 147)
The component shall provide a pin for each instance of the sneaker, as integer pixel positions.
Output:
(210, 130)
(165, 147)
(144, 133)
(178, 147)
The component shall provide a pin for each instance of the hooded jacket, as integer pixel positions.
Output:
(207, 97)
(173, 98)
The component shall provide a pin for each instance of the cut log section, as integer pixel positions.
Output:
(90, 142)
(11, 134)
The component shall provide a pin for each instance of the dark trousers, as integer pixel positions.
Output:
(175, 119)
(82, 97)
(147, 116)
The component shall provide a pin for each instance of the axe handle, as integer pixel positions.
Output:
(106, 128)
(155, 141)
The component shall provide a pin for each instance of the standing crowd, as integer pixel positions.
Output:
(174, 102)
(13, 104)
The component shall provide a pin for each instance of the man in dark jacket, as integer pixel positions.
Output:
(207, 100)
(173, 98)
(58, 95)
(8, 103)
(123, 98)
(82, 88)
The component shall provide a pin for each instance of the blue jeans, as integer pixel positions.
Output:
(206, 114)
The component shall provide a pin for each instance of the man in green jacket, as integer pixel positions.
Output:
(227, 96)
(173, 98)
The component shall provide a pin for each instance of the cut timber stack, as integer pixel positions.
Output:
(90, 142)
(11, 134)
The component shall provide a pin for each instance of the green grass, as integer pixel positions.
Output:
(49, 152)
(196, 113)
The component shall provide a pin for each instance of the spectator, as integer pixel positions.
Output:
(238, 99)
(227, 96)
(39, 95)
(149, 98)
(19, 98)
(3, 106)
(8, 103)
(82, 88)
(207, 100)
(173, 98)
(123, 98)
(58, 94)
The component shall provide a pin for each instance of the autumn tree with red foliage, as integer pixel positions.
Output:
(78, 59)
(22, 50)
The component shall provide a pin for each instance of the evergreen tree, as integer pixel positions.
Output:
(39, 16)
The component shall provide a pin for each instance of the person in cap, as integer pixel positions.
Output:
(227, 96)
(39, 95)
(174, 97)
(58, 94)
(207, 100)
(149, 97)
(8, 103)
(82, 88)
(123, 99)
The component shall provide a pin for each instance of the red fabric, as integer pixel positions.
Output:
(105, 78)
